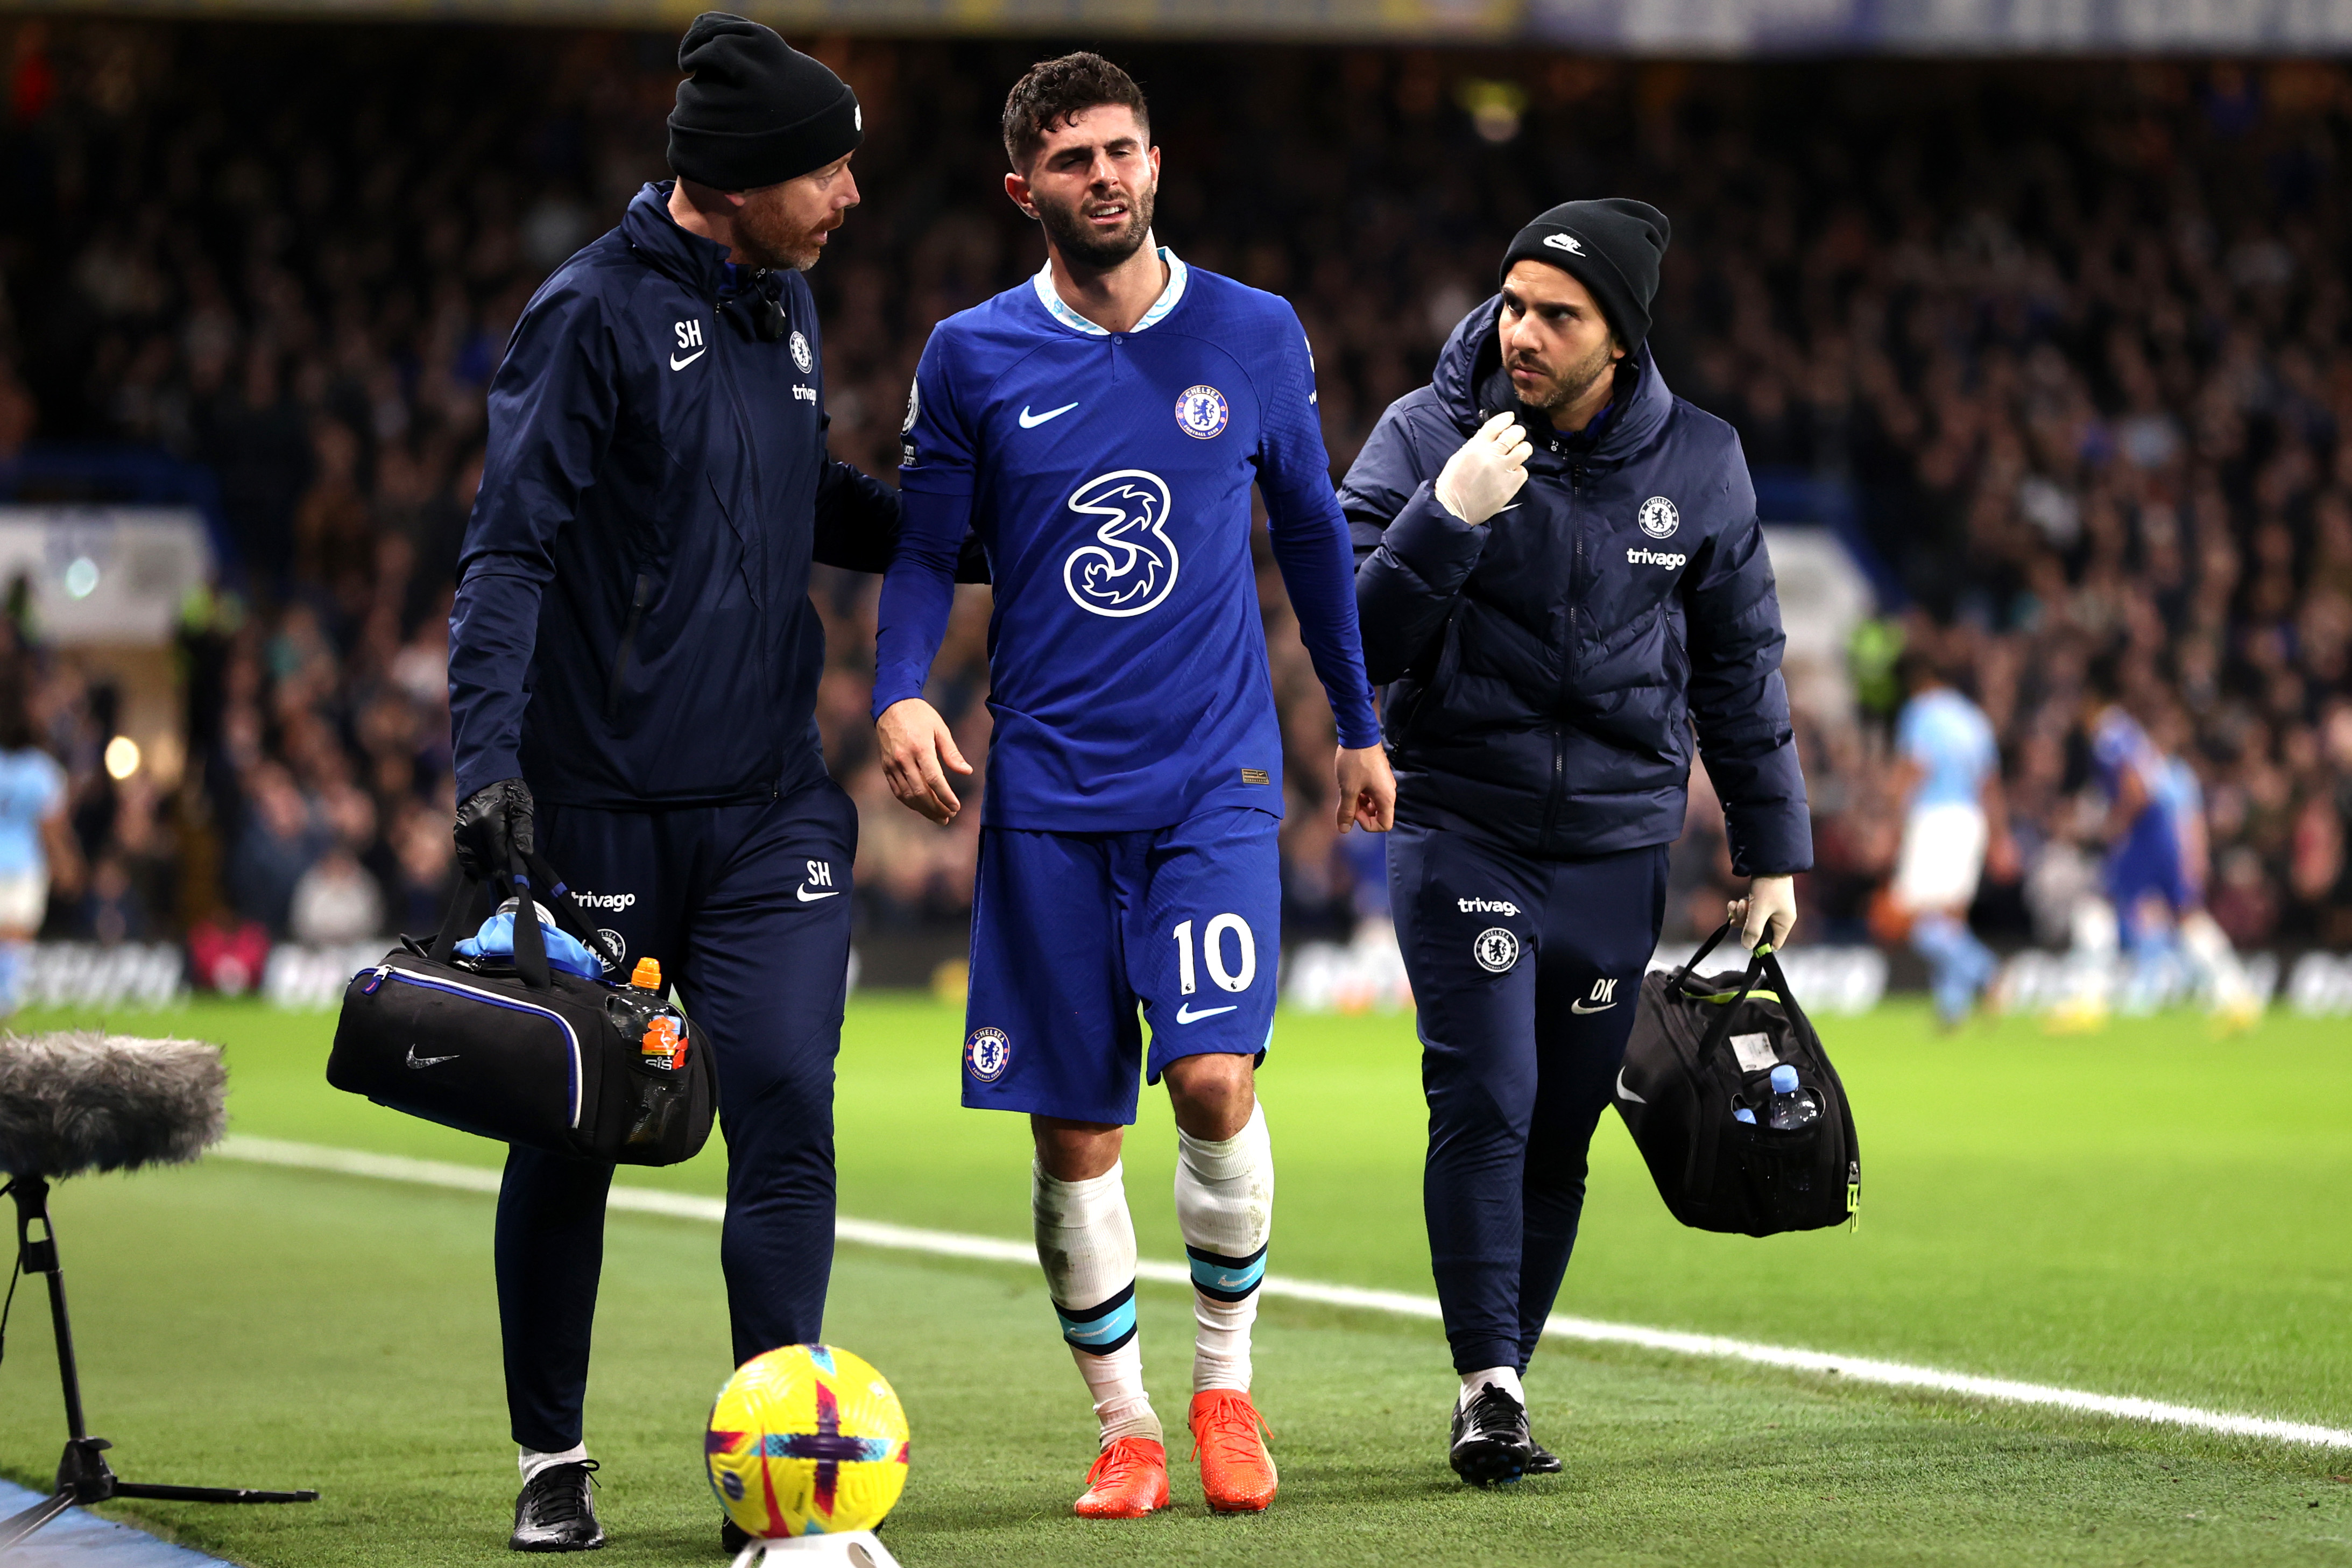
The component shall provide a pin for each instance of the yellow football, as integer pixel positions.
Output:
(806, 1440)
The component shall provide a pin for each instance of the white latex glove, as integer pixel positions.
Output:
(1770, 907)
(1479, 480)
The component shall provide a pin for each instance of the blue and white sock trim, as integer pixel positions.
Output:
(1225, 1278)
(1098, 1331)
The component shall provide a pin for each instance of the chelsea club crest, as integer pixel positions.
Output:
(1658, 518)
(1202, 412)
(801, 355)
(987, 1054)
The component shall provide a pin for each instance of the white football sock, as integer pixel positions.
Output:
(2208, 949)
(1224, 1205)
(1505, 1378)
(530, 1461)
(1085, 1241)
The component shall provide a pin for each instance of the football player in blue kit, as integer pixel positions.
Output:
(2156, 863)
(1100, 426)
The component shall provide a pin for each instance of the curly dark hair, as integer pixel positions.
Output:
(1058, 90)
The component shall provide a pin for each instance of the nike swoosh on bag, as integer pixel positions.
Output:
(417, 1061)
(677, 363)
(1031, 421)
(1185, 1014)
(1580, 1007)
(809, 898)
(1624, 1093)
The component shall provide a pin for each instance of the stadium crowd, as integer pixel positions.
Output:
(2066, 344)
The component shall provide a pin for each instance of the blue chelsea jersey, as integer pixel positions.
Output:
(1109, 477)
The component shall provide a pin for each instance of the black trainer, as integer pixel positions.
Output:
(556, 1512)
(1490, 1439)
(732, 1536)
(1542, 1461)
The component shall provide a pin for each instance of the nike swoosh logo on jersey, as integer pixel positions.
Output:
(809, 898)
(1185, 1014)
(1580, 1007)
(1624, 1093)
(677, 363)
(417, 1061)
(1031, 421)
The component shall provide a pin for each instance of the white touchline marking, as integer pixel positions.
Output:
(1398, 1303)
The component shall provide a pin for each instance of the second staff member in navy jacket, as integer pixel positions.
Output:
(633, 672)
(1560, 576)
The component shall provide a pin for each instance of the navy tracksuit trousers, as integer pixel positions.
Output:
(1526, 973)
(746, 907)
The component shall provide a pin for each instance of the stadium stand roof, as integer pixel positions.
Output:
(1659, 27)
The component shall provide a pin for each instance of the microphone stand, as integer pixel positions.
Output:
(83, 1475)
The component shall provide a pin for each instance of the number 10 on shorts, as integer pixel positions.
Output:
(1213, 955)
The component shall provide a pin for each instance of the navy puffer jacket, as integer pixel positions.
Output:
(1546, 670)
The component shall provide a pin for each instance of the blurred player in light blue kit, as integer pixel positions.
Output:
(1948, 772)
(32, 803)
(2155, 857)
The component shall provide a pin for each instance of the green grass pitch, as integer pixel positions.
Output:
(2149, 1212)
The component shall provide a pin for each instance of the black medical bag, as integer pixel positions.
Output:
(513, 1050)
(1702, 1051)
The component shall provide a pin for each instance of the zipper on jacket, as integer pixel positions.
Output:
(752, 539)
(638, 598)
(456, 988)
(1559, 786)
(1575, 574)
(1568, 655)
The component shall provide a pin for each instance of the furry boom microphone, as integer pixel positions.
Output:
(81, 1100)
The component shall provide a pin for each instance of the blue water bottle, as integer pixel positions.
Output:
(1792, 1109)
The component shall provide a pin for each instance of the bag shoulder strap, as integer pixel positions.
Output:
(462, 913)
(1691, 963)
(1722, 1026)
(1770, 959)
(530, 945)
(569, 916)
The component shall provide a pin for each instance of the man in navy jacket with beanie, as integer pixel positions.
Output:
(633, 672)
(1561, 577)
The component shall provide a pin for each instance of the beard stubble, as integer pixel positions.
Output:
(1067, 229)
(1577, 379)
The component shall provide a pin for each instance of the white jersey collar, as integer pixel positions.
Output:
(1049, 297)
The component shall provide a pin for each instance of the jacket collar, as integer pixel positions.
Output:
(1470, 382)
(697, 263)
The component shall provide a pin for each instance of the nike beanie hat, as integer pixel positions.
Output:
(1612, 247)
(754, 111)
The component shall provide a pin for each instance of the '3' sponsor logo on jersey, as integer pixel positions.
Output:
(1131, 565)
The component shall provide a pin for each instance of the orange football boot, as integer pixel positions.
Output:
(1236, 1469)
(1129, 1481)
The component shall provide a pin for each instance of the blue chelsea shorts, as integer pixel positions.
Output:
(1071, 932)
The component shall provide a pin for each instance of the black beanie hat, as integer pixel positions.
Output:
(1612, 247)
(755, 112)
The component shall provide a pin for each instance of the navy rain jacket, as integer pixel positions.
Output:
(633, 626)
(1545, 671)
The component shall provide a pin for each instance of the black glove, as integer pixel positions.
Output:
(494, 829)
